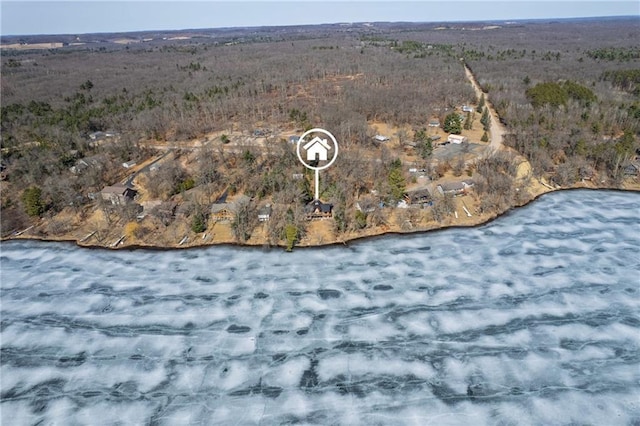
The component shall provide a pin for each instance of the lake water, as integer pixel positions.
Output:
(531, 319)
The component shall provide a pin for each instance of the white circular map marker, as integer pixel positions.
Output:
(318, 149)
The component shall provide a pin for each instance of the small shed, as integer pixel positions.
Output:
(129, 164)
(97, 135)
(80, 166)
(264, 213)
(410, 144)
(380, 138)
(632, 169)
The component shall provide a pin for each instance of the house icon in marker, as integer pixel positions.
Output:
(317, 149)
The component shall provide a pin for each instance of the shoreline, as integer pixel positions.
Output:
(330, 244)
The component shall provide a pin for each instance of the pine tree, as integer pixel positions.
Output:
(485, 137)
(426, 149)
(361, 219)
(396, 180)
(485, 120)
(467, 122)
(32, 199)
(420, 135)
(452, 124)
(198, 223)
(291, 235)
(480, 104)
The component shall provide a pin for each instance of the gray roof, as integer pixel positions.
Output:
(451, 186)
(634, 165)
(264, 210)
(218, 207)
(455, 186)
(119, 189)
(418, 195)
(231, 206)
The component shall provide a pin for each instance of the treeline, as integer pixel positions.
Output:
(621, 54)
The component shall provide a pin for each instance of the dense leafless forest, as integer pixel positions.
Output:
(593, 129)
(568, 93)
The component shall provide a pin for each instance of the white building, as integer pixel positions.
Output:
(457, 139)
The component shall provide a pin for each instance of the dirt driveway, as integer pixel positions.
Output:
(497, 130)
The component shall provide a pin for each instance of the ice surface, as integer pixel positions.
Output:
(532, 319)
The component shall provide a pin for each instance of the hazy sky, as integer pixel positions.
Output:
(76, 17)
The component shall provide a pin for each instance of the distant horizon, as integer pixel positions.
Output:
(38, 18)
(179, 30)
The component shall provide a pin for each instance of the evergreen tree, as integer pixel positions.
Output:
(485, 137)
(291, 235)
(198, 223)
(426, 149)
(467, 121)
(32, 199)
(480, 103)
(248, 157)
(452, 124)
(624, 146)
(420, 135)
(396, 180)
(361, 219)
(550, 93)
(485, 120)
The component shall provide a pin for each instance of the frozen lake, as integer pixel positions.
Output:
(531, 319)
